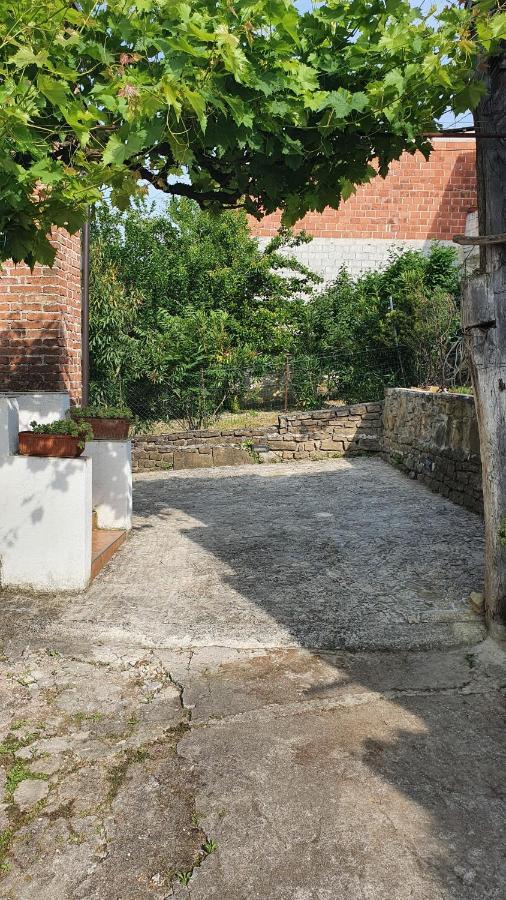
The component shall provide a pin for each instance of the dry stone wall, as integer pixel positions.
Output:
(335, 431)
(434, 438)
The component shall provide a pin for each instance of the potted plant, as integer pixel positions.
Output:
(61, 438)
(108, 423)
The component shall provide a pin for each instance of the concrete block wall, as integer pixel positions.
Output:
(45, 524)
(302, 435)
(328, 255)
(434, 438)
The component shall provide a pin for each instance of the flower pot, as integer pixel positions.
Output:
(107, 429)
(32, 444)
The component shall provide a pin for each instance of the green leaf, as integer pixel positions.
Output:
(55, 91)
(115, 152)
(359, 101)
(47, 172)
(26, 57)
(347, 189)
(339, 102)
(395, 79)
(198, 105)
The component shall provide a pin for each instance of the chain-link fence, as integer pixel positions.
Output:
(198, 396)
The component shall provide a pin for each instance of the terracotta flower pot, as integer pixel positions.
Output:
(32, 444)
(107, 429)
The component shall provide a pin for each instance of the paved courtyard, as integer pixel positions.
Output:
(277, 689)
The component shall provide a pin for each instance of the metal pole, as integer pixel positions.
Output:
(85, 305)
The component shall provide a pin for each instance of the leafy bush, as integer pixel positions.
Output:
(79, 430)
(182, 302)
(189, 318)
(98, 411)
(396, 326)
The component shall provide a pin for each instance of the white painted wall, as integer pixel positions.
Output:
(112, 482)
(45, 523)
(43, 406)
(9, 426)
(327, 256)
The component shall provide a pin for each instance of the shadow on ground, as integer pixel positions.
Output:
(321, 773)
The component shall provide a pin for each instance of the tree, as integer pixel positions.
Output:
(183, 304)
(230, 103)
(187, 311)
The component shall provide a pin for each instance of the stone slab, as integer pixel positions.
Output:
(338, 554)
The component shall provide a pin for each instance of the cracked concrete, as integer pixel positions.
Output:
(187, 728)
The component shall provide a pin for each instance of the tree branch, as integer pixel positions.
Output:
(227, 199)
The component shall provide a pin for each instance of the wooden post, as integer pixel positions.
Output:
(287, 381)
(484, 323)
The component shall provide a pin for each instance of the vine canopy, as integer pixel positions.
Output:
(229, 102)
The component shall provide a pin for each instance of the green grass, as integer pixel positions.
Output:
(18, 773)
(465, 389)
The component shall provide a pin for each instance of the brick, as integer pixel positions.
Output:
(418, 200)
(41, 313)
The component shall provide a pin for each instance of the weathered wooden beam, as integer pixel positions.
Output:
(484, 323)
(480, 241)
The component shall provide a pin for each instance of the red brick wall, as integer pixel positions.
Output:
(40, 323)
(418, 200)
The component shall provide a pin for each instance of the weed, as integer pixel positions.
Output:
(18, 773)
(5, 839)
(250, 449)
(25, 680)
(80, 717)
(209, 847)
(19, 723)
(12, 743)
(141, 754)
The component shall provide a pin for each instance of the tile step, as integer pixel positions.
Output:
(104, 544)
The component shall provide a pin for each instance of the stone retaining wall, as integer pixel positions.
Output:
(434, 438)
(318, 434)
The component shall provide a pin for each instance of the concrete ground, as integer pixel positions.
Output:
(276, 690)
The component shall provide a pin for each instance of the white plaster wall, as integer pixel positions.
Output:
(9, 426)
(327, 256)
(112, 482)
(45, 523)
(43, 406)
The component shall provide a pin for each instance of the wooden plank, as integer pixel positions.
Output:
(478, 304)
(481, 240)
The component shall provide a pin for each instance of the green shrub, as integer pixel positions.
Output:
(79, 430)
(183, 303)
(98, 411)
(187, 314)
(398, 326)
